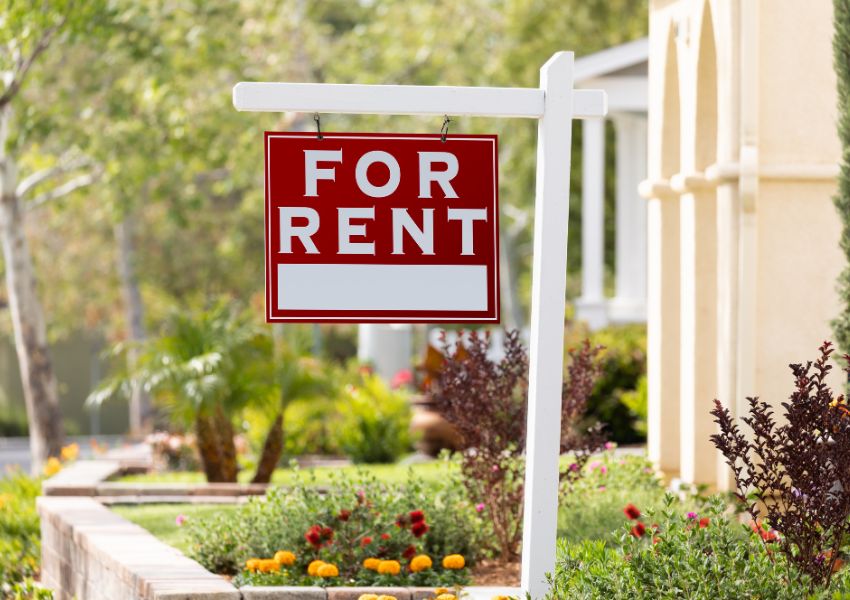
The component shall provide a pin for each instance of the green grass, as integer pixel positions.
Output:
(160, 519)
(429, 472)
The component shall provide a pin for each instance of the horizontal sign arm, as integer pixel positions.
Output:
(407, 100)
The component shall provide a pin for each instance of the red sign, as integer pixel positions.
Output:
(364, 227)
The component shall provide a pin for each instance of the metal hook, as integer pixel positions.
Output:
(444, 130)
(318, 121)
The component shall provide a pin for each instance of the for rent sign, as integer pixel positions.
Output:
(381, 228)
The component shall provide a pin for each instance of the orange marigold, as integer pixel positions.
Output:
(313, 567)
(252, 564)
(327, 570)
(285, 558)
(421, 563)
(389, 567)
(371, 563)
(454, 561)
(269, 566)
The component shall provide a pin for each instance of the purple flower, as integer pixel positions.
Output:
(574, 467)
(479, 507)
(692, 516)
(180, 520)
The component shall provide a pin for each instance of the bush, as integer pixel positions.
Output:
(485, 401)
(797, 472)
(20, 545)
(673, 554)
(357, 518)
(375, 422)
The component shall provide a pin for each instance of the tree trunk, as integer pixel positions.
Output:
(39, 382)
(272, 450)
(140, 410)
(208, 448)
(229, 465)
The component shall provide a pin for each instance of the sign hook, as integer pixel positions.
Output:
(444, 130)
(318, 121)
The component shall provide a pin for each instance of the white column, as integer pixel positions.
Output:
(591, 307)
(629, 302)
(387, 347)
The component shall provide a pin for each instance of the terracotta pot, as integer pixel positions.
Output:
(432, 431)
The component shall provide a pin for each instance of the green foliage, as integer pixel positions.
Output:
(594, 508)
(617, 399)
(20, 545)
(375, 422)
(682, 558)
(841, 54)
(281, 520)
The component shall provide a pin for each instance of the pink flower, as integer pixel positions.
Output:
(573, 467)
(692, 516)
(479, 507)
(495, 468)
(180, 520)
(598, 465)
(402, 378)
(601, 488)
(610, 445)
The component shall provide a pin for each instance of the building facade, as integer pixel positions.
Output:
(743, 250)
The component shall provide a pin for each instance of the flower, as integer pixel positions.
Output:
(371, 564)
(409, 552)
(402, 378)
(573, 467)
(344, 515)
(598, 465)
(446, 597)
(419, 529)
(52, 466)
(386, 597)
(285, 558)
(180, 519)
(367, 597)
(385, 536)
(327, 570)
(691, 516)
(638, 530)
(389, 567)
(319, 536)
(479, 507)
(365, 541)
(268, 566)
(610, 445)
(631, 511)
(421, 563)
(70, 452)
(252, 564)
(454, 562)
(313, 567)
(703, 523)
(417, 516)
(601, 488)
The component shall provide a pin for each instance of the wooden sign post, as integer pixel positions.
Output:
(554, 104)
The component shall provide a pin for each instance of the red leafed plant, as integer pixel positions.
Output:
(485, 400)
(797, 473)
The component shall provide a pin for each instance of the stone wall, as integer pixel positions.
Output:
(90, 553)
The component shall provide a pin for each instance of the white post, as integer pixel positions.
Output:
(629, 302)
(591, 307)
(548, 302)
(387, 346)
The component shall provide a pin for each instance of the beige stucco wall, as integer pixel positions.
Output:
(749, 163)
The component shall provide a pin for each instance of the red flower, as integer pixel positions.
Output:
(655, 540)
(365, 541)
(419, 529)
(638, 530)
(417, 516)
(319, 536)
(409, 552)
(631, 511)
(703, 523)
(385, 536)
(344, 515)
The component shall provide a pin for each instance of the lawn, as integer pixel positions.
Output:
(397, 473)
(161, 519)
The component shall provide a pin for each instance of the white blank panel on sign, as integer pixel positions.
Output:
(381, 287)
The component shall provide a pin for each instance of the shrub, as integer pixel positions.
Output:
(375, 422)
(357, 518)
(20, 545)
(485, 401)
(680, 555)
(797, 473)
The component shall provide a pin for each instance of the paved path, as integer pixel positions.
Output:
(15, 451)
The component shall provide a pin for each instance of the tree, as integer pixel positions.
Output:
(841, 53)
(28, 32)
